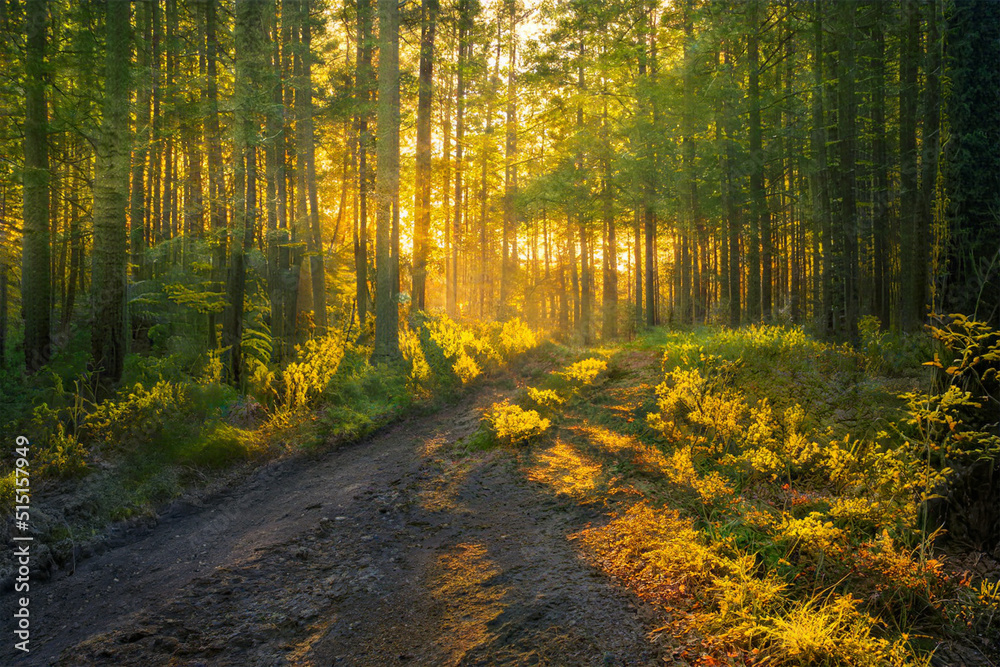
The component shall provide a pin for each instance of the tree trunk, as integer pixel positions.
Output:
(252, 58)
(759, 267)
(35, 286)
(143, 120)
(689, 295)
(909, 194)
(422, 189)
(216, 179)
(363, 83)
(274, 168)
(846, 131)
(610, 254)
(729, 194)
(387, 181)
(820, 176)
(307, 150)
(464, 26)
(882, 278)
(929, 163)
(110, 202)
(510, 165)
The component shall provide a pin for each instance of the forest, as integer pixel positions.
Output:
(717, 279)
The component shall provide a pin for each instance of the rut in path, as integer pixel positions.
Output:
(388, 551)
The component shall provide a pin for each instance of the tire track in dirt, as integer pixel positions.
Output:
(385, 552)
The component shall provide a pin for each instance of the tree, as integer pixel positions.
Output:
(363, 89)
(108, 340)
(35, 277)
(465, 11)
(248, 98)
(758, 264)
(218, 210)
(972, 168)
(909, 61)
(304, 107)
(421, 230)
(510, 165)
(387, 183)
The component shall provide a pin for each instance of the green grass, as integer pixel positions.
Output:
(835, 532)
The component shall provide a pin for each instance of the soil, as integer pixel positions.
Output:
(393, 550)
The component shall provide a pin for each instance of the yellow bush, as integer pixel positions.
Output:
(720, 415)
(137, 417)
(447, 335)
(65, 456)
(544, 398)
(510, 424)
(743, 599)
(833, 632)
(306, 379)
(761, 432)
(762, 463)
(680, 470)
(585, 372)
(678, 395)
(465, 368)
(811, 531)
(516, 337)
(413, 353)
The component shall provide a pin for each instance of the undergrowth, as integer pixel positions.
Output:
(174, 423)
(774, 489)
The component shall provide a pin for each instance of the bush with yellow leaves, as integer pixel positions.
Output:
(306, 379)
(510, 424)
(547, 399)
(585, 372)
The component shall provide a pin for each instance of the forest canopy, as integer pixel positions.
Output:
(286, 166)
(746, 252)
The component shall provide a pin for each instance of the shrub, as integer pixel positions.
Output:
(466, 369)
(544, 398)
(516, 337)
(512, 425)
(584, 372)
(305, 380)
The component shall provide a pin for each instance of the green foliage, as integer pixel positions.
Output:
(362, 396)
(805, 542)
(886, 352)
(306, 379)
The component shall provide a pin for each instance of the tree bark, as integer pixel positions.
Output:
(422, 195)
(35, 272)
(108, 340)
(909, 194)
(308, 153)
(248, 99)
(929, 163)
(387, 182)
(510, 165)
(464, 26)
(759, 263)
(363, 94)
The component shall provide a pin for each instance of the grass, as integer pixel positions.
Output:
(768, 496)
(173, 425)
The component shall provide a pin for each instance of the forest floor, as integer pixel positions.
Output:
(402, 548)
(636, 525)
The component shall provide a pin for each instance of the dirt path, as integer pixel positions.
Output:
(385, 552)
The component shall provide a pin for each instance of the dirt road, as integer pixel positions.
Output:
(389, 551)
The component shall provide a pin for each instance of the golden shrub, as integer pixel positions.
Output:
(465, 368)
(510, 424)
